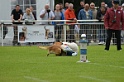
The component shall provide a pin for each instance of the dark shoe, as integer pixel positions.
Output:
(120, 49)
(106, 49)
(18, 44)
(13, 44)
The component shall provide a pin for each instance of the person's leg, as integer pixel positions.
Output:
(55, 32)
(89, 33)
(118, 39)
(109, 35)
(59, 32)
(5, 31)
(15, 39)
(114, 39)
(67, 33)
(72, 38)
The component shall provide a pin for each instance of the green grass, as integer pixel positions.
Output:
(30, 64)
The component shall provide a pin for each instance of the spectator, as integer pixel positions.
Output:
(70, 15)
(85, 14)
(81, 7)
(32, 10)
(94, 11)
(47, 14)
(16, 16)
(101, 31)
(112, 24)
(61, 8)
(28, 15)
(66, 5)
(58, 16)
(103, 4)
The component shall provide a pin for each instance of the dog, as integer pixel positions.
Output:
(54, 49)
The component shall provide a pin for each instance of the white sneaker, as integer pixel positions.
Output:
(101, 43)
(74, 54)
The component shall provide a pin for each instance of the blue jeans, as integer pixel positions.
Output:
(101, 34)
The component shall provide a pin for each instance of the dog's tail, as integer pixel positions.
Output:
(44, 48)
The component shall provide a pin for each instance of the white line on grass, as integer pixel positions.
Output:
(108, 65)
(35, 79)
(96, 79)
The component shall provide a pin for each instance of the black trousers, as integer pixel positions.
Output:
(60, 29)
(15, 39)
(15, 28)
(71, 35)
(117, 36)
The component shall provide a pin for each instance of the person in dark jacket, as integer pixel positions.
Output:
(81, 7)
(101, 31)
(112, 21)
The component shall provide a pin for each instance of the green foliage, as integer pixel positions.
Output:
(30, 64)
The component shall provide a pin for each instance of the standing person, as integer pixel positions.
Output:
(112, 20)
(94, 11)
(70, 15)
(32, 10)
(81, 7)
(28, 15)
(100, 30)
(85, 14)
(47, 14)
(16, 15)
(103, 4)
(29, 18)
(66, 5)
(58, 28)
(61, 8)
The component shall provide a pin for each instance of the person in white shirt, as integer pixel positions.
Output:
(28, 15)
(47, 14)
(71, 49)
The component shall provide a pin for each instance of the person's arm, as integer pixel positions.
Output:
(98, 16)
(91, 14)
(21, 15)
(53, 16)
(79, 16)
(106, 19)
(12, 16)
(32, 16)
(42, 13)
(122, 19)
(24, 17)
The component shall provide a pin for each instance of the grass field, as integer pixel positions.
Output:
(30, 64)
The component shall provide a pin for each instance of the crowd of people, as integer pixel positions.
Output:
(67, 12)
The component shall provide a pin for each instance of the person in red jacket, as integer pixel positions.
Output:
(112, 21)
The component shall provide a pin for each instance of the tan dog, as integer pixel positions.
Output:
(54, 49)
